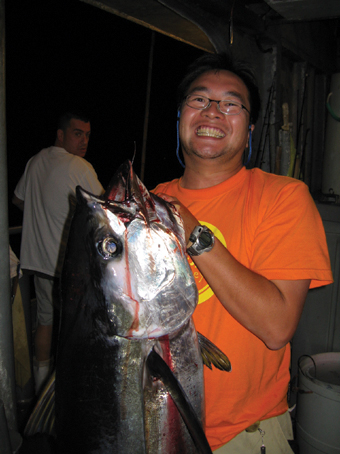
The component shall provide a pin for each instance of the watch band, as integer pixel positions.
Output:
(201, 240)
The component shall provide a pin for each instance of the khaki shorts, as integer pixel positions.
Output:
(46, 292)
(277, 431)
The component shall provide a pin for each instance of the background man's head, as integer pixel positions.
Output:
(73, 133)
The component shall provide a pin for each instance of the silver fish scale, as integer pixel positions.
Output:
(168, 433)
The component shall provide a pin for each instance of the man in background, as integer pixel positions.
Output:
(46, 194)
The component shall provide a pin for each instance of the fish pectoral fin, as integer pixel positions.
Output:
(212, 355)
(43, 415)
(159, 369)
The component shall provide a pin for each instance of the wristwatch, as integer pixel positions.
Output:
(201, 240)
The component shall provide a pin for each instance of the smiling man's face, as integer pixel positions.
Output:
(208, 133)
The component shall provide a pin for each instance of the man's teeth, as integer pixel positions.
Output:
(210, 132)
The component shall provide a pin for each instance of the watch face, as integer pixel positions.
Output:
(205, 239)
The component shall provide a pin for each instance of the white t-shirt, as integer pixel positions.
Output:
(48, 190)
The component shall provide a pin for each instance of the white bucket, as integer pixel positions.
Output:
(318, 405)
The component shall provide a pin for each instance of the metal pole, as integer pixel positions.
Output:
(147, 106)
(7, 380)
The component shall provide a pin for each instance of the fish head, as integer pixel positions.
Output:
(138, 245)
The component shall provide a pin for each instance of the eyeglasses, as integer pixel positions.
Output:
(226, 106)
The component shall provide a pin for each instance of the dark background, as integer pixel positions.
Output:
(64, 54)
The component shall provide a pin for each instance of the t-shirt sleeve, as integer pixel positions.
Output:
(162, 187)
(20, 188)
(290, 241)
(91, 183)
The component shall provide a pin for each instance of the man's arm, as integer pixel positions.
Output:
(18, 202)
(269, 309)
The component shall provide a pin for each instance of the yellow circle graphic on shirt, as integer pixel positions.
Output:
(204, 290)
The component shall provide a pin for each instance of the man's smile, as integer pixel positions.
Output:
(210, 132)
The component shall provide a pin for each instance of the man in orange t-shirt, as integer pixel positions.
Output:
(256, 245)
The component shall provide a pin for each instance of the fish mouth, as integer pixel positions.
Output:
(207, 131)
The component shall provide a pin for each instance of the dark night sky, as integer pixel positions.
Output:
(63, 54)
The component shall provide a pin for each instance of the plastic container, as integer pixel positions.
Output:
(318, 404)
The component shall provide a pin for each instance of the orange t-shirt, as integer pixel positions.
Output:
(271, 225)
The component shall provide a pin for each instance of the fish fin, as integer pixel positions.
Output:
(159, 369)
(43, 415)
(212, 355)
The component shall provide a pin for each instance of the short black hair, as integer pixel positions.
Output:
(223, 61)
(65, 118)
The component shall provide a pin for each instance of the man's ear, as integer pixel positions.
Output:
(250, 130)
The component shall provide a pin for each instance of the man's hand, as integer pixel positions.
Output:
(189, 220)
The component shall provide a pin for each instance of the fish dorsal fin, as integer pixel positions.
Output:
(125, 187)
(116, 190)
(212, 355)
(43, 416)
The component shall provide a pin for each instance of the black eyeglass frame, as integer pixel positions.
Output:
(218, 104)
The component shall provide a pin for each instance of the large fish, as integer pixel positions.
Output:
(129, 371)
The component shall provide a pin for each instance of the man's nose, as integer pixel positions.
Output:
(213, 109)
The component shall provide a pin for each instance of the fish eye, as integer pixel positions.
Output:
(108, 248)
